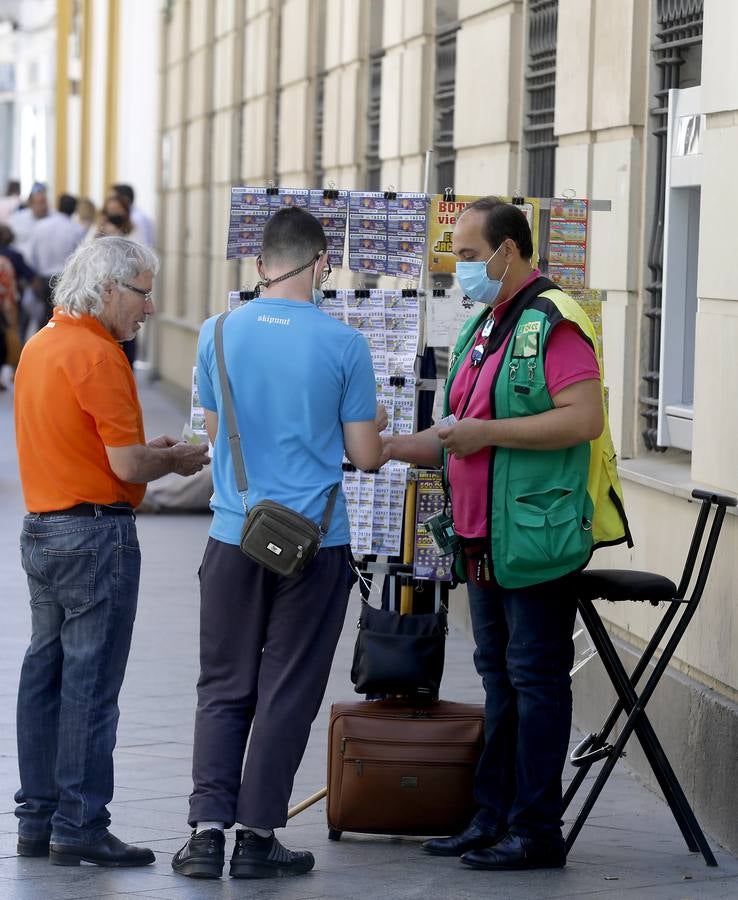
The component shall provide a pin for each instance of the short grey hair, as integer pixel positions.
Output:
(94, 266)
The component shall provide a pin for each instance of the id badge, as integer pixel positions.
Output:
(526, 344)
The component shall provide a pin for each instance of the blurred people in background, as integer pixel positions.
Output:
(23, 222)
(24, 274)
(17, 320)
(86, 213)
(53, 241)
(115, 219)
(8, 300)
(10, 202)
(143, 223)
(25, 219)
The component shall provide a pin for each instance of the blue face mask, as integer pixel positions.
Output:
(317, 293)
(475, 283)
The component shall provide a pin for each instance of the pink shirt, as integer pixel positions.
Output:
(569, 359)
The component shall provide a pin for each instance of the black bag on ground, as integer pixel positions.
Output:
(399, 654)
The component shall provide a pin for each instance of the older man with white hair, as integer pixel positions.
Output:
(84, 463)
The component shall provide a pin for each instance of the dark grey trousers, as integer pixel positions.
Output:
(266, 648)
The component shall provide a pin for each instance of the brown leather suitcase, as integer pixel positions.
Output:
(398, 768)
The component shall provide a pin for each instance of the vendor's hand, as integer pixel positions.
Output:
(465, 437)
(381, 417)
(162, 442)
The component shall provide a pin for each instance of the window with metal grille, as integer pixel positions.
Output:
(539, 140)
(320, 75)
(372, 161)
(677, 57)
(318, 170)
(444, 101)
(444, 94)
(277, 94)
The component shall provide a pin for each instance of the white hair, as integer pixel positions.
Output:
(96, 265)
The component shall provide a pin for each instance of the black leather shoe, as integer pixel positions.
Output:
(203, 856)
(107, 852)
(33, 846)
(472, 838)
(516, 852)
(258, 857)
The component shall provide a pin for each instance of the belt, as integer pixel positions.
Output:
(90, 509)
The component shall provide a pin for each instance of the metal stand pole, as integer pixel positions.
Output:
(423, 277)
(406, 591)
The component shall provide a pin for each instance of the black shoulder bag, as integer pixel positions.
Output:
(275, 536)
(399, 654)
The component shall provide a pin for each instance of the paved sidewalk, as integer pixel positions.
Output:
(631, 848)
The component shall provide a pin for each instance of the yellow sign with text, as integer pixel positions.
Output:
(442, 215)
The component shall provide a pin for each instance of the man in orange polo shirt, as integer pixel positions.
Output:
(84, 463)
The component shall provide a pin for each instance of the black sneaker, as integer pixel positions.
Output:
(202, 856)
(258, 857)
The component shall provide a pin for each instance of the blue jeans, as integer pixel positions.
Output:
(83, 578)
(524, 654)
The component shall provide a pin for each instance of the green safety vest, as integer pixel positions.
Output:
(547, 509)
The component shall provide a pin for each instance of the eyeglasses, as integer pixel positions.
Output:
(137, 290)
(326, 273)
(480, 349)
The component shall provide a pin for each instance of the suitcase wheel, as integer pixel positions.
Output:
(334, 835)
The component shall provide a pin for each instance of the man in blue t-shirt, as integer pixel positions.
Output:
(303, 394)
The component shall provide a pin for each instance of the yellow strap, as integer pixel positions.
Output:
(406, 592)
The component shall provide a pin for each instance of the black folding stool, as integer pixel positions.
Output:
(619, 585)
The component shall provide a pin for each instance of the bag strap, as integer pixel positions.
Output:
(327, 515)
(234, 438)
(514, 311)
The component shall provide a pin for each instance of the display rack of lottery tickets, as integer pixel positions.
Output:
(407, 235)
